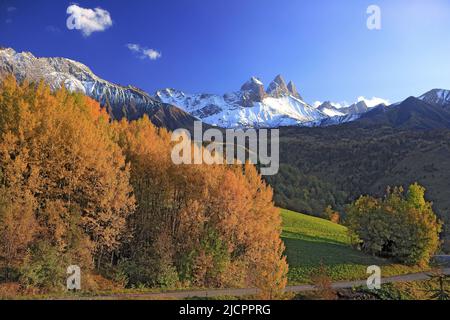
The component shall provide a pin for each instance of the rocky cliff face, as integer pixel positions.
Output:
(356, 108)
(293, 90)
(252, 91)
(278, 88)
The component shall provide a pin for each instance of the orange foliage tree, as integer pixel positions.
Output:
(77, 188)
(56, 147)
(207, 225)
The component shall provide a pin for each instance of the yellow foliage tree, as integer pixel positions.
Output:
(91, 190)
(57, 147)
(218, 223)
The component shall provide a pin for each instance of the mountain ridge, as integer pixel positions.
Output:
(412, 113)
(120, 101)
(279, 105)
(253, 106)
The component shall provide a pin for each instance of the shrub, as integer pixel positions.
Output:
(44, 268)
(323, 285)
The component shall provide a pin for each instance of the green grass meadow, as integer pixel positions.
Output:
(312, 241)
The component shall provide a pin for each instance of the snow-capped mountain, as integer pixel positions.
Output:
(330, 109)
(278, 105)
(121, 101)
(439, 97)
(339, 113)
(252, 106)
(361, 106)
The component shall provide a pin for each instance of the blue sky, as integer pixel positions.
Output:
(214, 46)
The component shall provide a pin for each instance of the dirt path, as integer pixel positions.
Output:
(250, 291)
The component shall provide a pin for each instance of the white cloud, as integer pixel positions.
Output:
(152, 54)
(144, 53)
(134, 47)
(88, 20)
(11, 9)
(374, 101)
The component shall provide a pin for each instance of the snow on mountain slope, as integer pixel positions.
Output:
(279, 104)
(362, 105)
(439, 97)
(329, 109)
(332, 112)
(336, 120)
(122, 101)
(252, 106)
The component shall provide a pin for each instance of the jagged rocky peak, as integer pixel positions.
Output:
(356, 108)
(252, 91)
(293, 90)
(278, 88)
(253, 84)
(362, 106)
(326, 105)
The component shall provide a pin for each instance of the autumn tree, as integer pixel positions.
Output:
(18, 228)
(207, 225)
(106, 195)
(56, 148)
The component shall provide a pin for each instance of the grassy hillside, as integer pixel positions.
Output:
(312, 241)
(335, 165)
